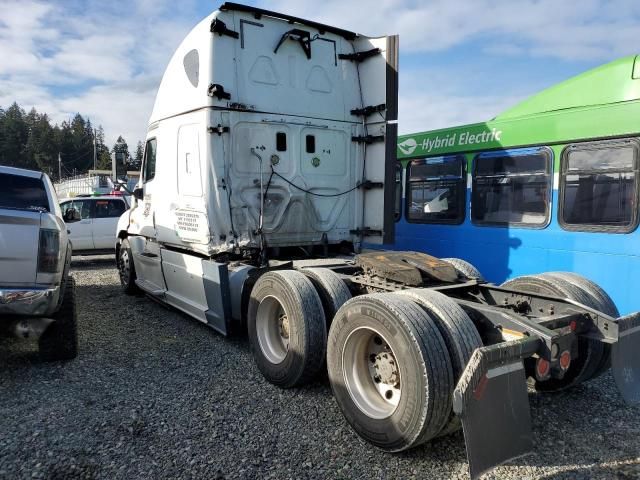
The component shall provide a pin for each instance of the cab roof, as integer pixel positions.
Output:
(21, 171)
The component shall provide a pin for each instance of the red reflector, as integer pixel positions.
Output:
(565, 360)
(542, 367)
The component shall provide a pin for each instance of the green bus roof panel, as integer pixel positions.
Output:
(593, 87)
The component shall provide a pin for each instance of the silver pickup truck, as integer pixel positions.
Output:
(37, 294)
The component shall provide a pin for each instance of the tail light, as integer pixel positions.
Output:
(49, 251)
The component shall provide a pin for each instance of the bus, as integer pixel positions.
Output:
(549, 185)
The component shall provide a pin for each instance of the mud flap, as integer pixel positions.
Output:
(625, 358)
(491, 399)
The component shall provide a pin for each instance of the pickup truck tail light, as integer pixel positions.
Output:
(49, 251)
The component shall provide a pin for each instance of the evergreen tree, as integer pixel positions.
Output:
(14, 139)
(137, 159)
(121, 147)
(29, 140)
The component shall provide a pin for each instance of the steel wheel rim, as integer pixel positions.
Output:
(272, 329)
(124, 267)
(371, 373)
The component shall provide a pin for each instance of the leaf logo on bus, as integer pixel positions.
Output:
(408, 146)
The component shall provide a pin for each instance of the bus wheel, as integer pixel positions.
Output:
(464, 268)
(600, 301)
(590, 351)
(287, 329)
(389, 370)
(458, 331)
(332, 290)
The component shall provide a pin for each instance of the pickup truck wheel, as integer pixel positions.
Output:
(287, 328)
(464, 268)
(332, 290)
(458, 331)
(126, 269)
(590, 351)
(60, 340)
(389, 370)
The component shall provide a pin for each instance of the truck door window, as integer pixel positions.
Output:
(149, 161)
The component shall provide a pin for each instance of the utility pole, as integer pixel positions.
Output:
(59, 167)
(95, 151)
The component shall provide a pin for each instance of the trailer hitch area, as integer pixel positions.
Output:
(492, 401)
(625, 358)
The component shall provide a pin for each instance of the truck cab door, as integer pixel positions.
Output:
(377, 64)
(144, 245)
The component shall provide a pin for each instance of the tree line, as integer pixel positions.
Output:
(29, 140)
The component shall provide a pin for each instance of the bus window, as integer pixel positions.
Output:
(512, 188)
(598, 186)
(436, 190)
(398, 192)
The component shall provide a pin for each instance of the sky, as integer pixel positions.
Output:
(461, 61)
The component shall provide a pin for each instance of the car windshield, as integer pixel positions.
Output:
(22, 193)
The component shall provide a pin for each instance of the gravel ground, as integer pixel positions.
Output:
(154, 394)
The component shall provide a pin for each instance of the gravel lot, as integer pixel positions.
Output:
(154, 394)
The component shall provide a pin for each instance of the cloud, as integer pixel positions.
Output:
(440, 97)
(594, 30)
(105, 59)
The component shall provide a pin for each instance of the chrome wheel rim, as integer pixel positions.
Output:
(371, 373)
(272, 329)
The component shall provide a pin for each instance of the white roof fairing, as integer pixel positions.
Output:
(176, 93)
(285, 81)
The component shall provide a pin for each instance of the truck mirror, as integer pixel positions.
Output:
(138, 193)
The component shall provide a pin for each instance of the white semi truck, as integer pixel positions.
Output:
(269, 162)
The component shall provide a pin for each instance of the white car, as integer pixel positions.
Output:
(92, 222)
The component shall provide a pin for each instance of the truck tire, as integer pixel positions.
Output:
(591, 351)
(601, 301)
(287, 329)
(596, 292)
(60, 340)
(458, 331)
(126, 269)
(464, 268)
(389, 370)
(332, 290)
